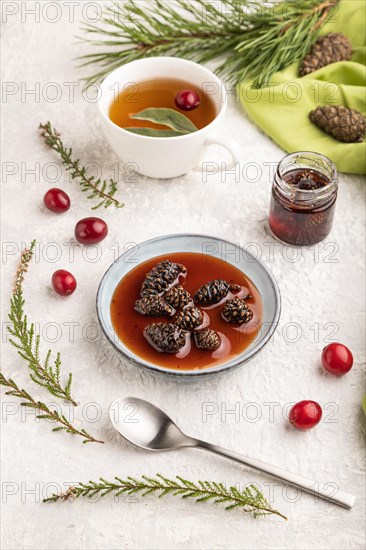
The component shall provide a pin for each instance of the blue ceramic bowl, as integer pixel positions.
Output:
(255, 269)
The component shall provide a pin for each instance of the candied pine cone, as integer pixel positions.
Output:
(161, 277)
(214, 291)
(207, 339)
(347, 125)
(330, 48)
(166, 337)
(189, 318)
(307, 179)
(154, 305)
(178, 297)
(236, 311)
(309, 185)
(316, 219)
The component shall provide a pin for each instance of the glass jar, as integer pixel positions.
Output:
(304, 194)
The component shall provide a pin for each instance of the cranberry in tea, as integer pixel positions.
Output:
(187, 100)
(303, 199)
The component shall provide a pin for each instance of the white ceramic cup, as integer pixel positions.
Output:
(166, 157)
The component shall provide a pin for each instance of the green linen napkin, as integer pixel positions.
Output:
(282, 109)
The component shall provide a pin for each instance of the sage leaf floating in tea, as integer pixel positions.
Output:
(168, 117)
(179, 123)
(151, 132)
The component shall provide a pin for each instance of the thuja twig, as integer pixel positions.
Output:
(253, 38)
(45, 412)
(249, 499)
(27, 343)
(97, 188)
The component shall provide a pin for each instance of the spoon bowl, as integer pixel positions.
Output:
(146, 426)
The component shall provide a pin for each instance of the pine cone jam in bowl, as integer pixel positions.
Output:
(188, 305)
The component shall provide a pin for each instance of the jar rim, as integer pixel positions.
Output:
(326, 162)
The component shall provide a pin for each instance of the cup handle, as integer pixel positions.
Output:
(230, 145)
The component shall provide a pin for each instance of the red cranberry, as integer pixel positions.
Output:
(337, 359)
(187, 100)
(63, 282)
(56, 200)
(91, 230)
(305, 415)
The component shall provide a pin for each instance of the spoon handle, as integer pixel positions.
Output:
(327, 491)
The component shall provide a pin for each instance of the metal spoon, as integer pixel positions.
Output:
(150, 428)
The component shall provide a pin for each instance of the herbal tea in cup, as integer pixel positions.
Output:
(162, 93)
(161, 124)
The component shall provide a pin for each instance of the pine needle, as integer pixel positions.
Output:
(253, 39)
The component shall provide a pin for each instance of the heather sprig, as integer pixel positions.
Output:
(249, 500)
(103, 190)
(44, 412)
(44, 372)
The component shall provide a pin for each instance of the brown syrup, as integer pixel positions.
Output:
(129, 325)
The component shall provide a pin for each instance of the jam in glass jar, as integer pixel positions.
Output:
(304, 194)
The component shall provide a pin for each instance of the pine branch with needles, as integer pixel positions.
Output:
(103, 190)
(47, 372)
(249, 500)
(44, 412)
(253, 39)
